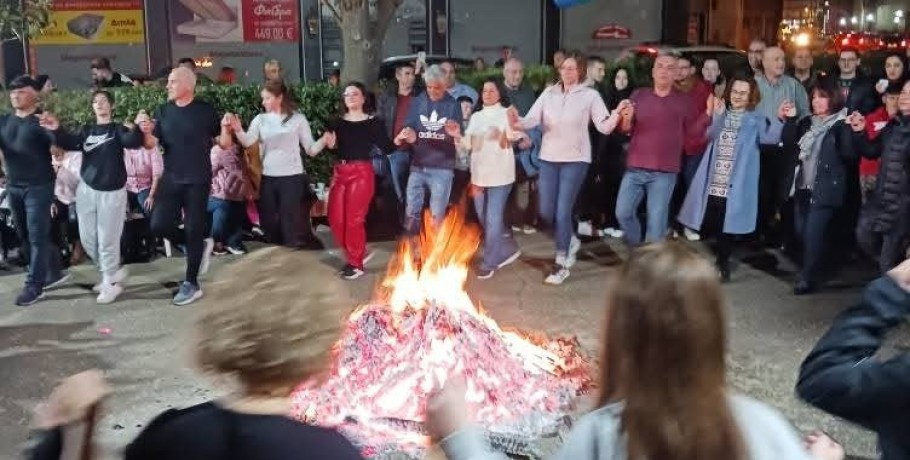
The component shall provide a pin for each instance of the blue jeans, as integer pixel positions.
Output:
(658, 186)
(498, 244)
(438, 182)
(399, 163)
(557, 190)
(31, 209)
(226, 221)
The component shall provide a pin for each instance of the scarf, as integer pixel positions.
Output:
(811, 142)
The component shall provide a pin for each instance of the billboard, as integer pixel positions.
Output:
(90, 22)
(235, 21)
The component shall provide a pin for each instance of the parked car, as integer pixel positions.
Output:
(730, 59)
(388, 66)
(894, 42)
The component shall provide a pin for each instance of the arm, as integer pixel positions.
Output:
(770, 133)
(157, 170)
(695, 126)
(66, 140)
(534, 117)
(717, 125)
(840, 375)
(250, 137)
(603, 120)
(381, 137)
(130, 137)
(305, 137)
(846, 135)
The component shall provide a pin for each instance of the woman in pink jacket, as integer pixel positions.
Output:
(231, 187)
(564, 112)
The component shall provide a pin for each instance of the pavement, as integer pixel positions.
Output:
(140, 341)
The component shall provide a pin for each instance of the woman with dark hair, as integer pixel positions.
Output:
(663, 383)
(612, 163)
(722, 201)
(711, 72)
(489, 138)
(353, 135)
(896, 71)
(828, 161)
(280, 131)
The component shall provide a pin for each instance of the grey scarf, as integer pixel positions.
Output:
(810, 145)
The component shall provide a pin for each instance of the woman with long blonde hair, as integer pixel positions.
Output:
(663, 380)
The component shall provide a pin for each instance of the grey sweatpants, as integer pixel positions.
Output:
(101, 217)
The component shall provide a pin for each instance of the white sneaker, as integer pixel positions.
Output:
(574, 246)
(516, 228)
(585, 228)
(119, 277)
(691, 235)
(557, 276)
(206, 256)
(529, 230)
(510, 260)
(109, 293)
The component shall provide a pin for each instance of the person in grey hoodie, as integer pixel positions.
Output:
(664, 390)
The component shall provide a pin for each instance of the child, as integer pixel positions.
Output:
(231, 187)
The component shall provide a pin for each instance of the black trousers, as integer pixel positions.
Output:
(774, 180)
(192, 199)
(280, 202)
(713, 227)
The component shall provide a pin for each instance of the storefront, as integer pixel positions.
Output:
(144, 36)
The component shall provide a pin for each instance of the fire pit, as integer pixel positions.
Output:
(423, 328)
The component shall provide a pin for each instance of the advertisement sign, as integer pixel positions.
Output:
(89, 22)
(233, 21)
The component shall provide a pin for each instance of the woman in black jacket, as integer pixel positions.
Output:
(828, 163)
(884, 224)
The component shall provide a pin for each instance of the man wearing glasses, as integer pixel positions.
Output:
(858, 90)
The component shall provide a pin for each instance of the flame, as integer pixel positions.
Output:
(421, 328)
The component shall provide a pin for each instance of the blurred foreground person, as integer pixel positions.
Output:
(266, 336)
(664, 390)
(841, 376)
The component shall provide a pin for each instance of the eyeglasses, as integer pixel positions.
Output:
(346, 95)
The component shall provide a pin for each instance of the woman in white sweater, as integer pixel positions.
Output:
(281, 131)
(489, 138)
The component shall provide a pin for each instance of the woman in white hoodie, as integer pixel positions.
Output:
(489, 139)
(664, 393)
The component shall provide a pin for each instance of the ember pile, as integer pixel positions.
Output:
(397, 350)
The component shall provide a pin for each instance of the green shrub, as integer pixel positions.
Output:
(317, 101)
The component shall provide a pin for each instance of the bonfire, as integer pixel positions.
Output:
(421, 329)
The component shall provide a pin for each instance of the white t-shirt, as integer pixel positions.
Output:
(280, 142)
(491, 164)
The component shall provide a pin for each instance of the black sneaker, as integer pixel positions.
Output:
(352, 273)
(29, 296)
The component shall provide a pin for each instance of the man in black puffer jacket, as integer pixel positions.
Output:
(842, 377)
(884, 225)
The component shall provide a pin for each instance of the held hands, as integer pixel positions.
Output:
(407, 135)
(715, 106)
(329, 139)
(625, 108)
(857, 122)
(514, 118)
(48, 121)
(453, 129)
(786, 110)
(72, 399)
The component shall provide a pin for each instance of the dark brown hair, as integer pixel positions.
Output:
(827, 89)
(664, 358)
(277, 88)
(369, 101)
(754, 93)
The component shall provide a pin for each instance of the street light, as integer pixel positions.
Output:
(853, 20)
(899, 13)
(843, 22)
(870, 17)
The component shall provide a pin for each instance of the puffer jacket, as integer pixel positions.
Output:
(890, 201)
(837, 174)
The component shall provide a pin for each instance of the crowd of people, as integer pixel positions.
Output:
(808, 162)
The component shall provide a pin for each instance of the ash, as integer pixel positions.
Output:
(520, 388)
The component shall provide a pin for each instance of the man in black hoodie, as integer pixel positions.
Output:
(26, 146)
(842, 376)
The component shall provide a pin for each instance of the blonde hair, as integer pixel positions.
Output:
(268, 324)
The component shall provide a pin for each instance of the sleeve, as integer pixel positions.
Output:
(214, 123)
(534, 117)
(158, 132)
(130, 138)
(217, 156)
(770, 133)
(695, 126)
(802, 101)
(600, 115)
(67, 140)
(381, 137)
(305, 134)
(157, 162)
(717, 125)
(413, 119)
(845, 141)
(251, 135)
(841, 376)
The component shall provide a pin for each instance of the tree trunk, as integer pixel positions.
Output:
(362, 33)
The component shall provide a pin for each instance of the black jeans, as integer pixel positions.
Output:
(888, 248)
(192, 199)
(280, 201)
(713, 227)
(31, 209)
(773, 190)
(813, 223)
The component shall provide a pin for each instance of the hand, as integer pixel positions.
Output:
(524, 142)
(881, 86)
(72, 399)
(822, 447)
(453, 129)
(857, 122)
(514, 118)
(53, 210)
(446, 409)
(785, 110)
(236, 126)
(149, 202)
(227, 120)
(626, 110)
(329, 139)
(48, 121)
(715, 106)
(406, 135)
(901, 275)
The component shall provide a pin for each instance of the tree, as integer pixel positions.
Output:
(363, 26)
(23, 19)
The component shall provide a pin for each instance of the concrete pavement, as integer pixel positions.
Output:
(139, 341)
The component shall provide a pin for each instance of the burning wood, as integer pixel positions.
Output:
(395, 351)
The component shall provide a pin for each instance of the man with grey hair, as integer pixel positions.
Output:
(523, 199)
(433, 129)
(185, 128)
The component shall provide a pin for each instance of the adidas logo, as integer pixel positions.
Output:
(434, 123)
